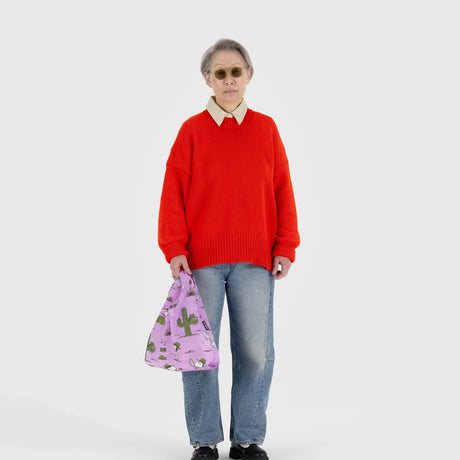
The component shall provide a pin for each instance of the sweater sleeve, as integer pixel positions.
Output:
(172, 225)
(287, 237)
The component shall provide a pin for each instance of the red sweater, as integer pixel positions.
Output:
(227, 194)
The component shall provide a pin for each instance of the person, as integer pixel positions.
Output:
(228, 216)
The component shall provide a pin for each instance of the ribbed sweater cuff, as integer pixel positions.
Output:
(176, 248)
(285, 251)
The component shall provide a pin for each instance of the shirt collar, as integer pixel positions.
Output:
(219, 114)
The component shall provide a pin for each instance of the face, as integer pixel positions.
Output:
(229, 91)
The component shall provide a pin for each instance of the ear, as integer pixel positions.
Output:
(248, 73)
(207, 78)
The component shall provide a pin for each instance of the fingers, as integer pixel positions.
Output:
(280, 274)
(177, 263)
(285, 266)
(175, 269)
(186, 267)
(175, 272)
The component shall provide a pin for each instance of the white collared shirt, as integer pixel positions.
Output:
(218, 114)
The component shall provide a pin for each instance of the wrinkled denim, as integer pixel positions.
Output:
(249, 289)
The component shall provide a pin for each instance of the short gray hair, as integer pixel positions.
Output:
(225, 44)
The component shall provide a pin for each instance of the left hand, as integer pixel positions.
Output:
(285, 263)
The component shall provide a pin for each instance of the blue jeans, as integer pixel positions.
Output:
(249, 289)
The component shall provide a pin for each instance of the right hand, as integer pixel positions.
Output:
(176, 262)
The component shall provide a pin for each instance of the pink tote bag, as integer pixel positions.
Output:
(181, 339)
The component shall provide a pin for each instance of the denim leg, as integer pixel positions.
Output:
(201, 388)
(250, 290)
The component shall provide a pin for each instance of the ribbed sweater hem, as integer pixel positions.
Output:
(218, 249)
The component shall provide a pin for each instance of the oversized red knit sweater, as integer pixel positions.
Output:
(227, 194)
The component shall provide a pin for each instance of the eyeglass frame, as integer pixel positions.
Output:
(228, 70)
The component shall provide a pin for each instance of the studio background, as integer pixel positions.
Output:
(93, 94)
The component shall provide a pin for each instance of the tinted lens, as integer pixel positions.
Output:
(236, 72)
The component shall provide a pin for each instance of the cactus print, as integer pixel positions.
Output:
(186, 321)
(183, 332)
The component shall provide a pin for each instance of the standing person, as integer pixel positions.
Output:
(228, 216)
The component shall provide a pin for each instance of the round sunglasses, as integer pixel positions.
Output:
(235, 72)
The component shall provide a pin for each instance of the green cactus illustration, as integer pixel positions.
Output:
(161, 320)
(169, 299)
(163, 350)
(162, 357)
(190, 292)
(187, 321)
(151, 347)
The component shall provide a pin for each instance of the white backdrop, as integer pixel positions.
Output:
(364, 96)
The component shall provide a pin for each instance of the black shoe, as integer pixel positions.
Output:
(253, 451)
(205, 452)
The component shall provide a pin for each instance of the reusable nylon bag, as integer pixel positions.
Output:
(181, 339)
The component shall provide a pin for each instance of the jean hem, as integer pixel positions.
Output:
(206, 444)
(248, 441)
